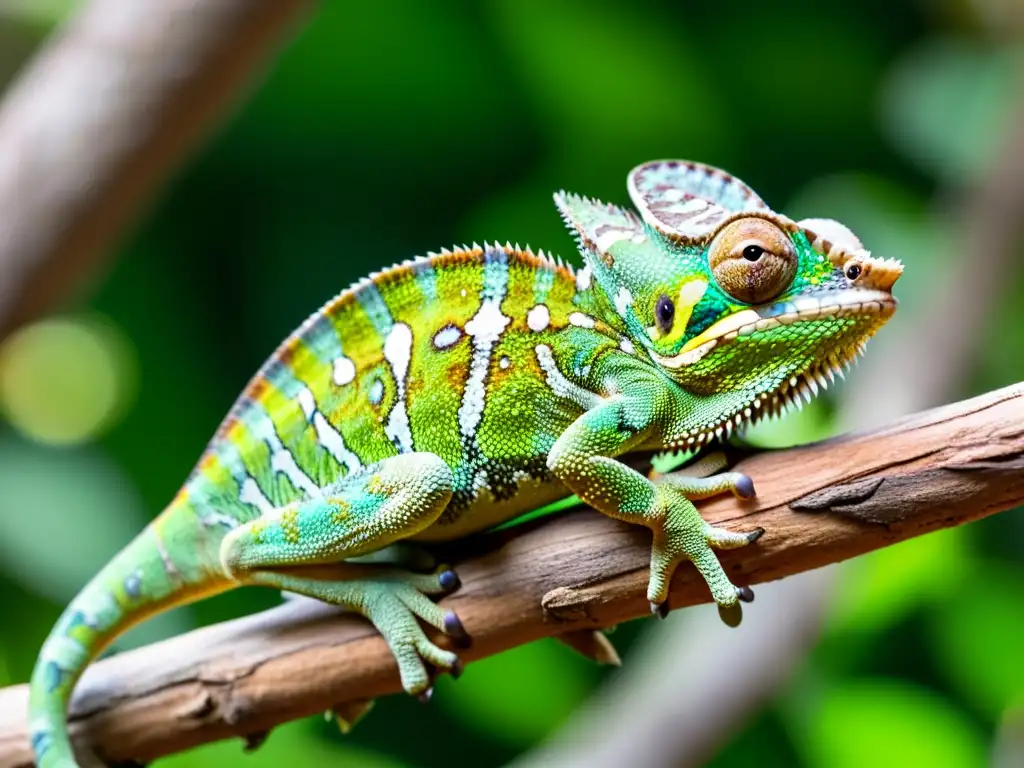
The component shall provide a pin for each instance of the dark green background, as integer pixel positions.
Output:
(390, 129)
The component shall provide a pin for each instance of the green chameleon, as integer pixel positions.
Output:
(457, 391)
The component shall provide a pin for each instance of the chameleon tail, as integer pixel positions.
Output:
(138, 582)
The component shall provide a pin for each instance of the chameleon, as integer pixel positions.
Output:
(455, 391)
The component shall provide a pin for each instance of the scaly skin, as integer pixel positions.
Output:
(454, 392)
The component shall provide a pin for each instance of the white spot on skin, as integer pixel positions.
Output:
(623, 300)
(462, 293)
(610, 237)
(504, 363)
(485, 328)
(281, 459)
(583, 278)
(627, 346)
(580, 320)
(344, 371)
(447, 336)
(376, 393)
(307, 402)
(559, 384)
(538, 318)
(251, 494)
(398, 352)
(331, 440)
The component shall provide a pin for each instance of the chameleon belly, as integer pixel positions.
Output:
(439, 355)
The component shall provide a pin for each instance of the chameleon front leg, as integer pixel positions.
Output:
(383, 503)
(583, 459)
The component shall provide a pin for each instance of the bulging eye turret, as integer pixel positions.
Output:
(752, 260)
(664, 313)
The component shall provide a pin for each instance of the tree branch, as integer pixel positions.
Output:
(102, 116)
(820, 504)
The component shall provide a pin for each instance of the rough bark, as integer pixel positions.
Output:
(820, 504)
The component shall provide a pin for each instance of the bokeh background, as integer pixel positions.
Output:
(388, 129)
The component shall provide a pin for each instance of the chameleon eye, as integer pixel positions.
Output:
(752, 260)
(664, 313)
(753, 252)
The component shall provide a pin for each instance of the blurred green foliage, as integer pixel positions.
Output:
(390, 129)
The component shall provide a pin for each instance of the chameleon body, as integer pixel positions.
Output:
(455, 391)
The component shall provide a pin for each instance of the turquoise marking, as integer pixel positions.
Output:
(542, 283)
(232, 461)
(495, 276)
(372, 302)
(426, 278)
(322, 339)
(282, 379)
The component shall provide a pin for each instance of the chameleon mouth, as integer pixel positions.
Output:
(801, 386)
(851, 302)
(792, 394)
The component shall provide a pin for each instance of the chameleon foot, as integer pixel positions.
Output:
(683, 534)
(439, 583)
(392, 601)
(393, 608)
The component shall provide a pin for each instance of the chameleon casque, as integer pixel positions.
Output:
(456, 391)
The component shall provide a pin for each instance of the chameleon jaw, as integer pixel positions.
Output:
(792, 394)
(853, 301)
(801, 386)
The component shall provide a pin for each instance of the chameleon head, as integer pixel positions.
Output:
(737, 303)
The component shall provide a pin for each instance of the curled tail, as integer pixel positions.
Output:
(140, 581)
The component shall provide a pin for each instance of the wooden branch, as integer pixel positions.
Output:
(100, 119)
(820, 504)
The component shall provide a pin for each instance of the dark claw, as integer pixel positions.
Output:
(456, 670)
(454, 629)
(754, 535)
(744, 487)
(660, 609)
(731, 615)
(449, 580)
(426, 695)
(746, 594)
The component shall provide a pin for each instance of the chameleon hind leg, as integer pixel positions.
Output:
(366, 511)
(583, 458)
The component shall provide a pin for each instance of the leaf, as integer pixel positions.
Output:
(881, 723)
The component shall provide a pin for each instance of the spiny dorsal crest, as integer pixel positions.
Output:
(597, 226)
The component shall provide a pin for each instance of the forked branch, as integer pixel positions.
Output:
(820, 504)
